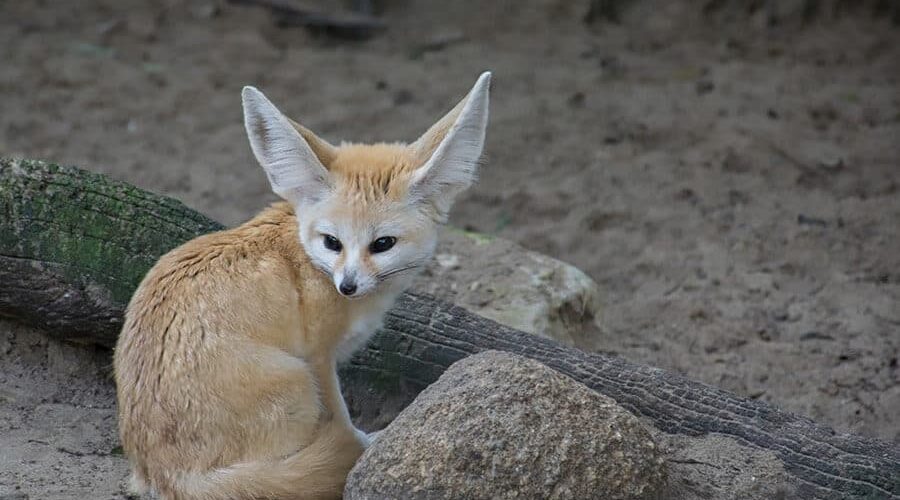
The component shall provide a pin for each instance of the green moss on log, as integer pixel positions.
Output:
(96, 235)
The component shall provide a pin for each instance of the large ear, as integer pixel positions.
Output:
(293, 157)
(450, 150)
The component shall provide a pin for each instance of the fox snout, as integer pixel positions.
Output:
(356, 275)
(353, 281)
(347, 286)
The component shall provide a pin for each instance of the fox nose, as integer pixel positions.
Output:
(348, 287)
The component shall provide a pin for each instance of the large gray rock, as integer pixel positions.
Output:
(513, 286)
(498, 426)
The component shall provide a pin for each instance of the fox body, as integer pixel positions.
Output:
(226, 365)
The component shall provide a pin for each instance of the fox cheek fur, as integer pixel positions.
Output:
(413, 231)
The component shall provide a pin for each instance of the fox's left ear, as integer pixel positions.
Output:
(295, 159)
(450, 150)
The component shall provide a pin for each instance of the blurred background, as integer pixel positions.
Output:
(726, 170)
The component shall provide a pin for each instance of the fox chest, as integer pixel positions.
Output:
(363, 325)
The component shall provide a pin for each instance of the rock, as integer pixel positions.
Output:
(14, 496)
(503, 281)
(496, 426)
(721, 467)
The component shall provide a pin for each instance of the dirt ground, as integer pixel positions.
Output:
(730, 180)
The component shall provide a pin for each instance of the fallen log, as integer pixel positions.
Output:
(356, 26)
(74, 245)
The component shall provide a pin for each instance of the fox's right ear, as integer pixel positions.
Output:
(450, 150)
(294, 158)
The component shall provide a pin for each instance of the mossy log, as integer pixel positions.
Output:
(74, 245)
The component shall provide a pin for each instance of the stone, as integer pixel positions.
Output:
(721, 467)
(498, 426)
(513, 286)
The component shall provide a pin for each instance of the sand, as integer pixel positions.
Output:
(731, 184)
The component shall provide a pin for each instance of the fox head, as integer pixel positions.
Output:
(368, 214)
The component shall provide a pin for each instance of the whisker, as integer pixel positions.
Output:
(398, 270)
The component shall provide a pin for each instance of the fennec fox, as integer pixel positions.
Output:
(225, 367)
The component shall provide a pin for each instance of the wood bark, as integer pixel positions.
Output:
(360, 25)
(74, 245)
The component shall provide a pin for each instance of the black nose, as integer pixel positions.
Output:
(347, 287)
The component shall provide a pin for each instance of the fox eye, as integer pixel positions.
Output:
(332, 243)
(382, 244)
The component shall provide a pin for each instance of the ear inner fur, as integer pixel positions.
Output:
(323, 150)
(293, 168)
(426, 145)
(453, 147)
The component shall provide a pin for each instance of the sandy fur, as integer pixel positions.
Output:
(227, 357)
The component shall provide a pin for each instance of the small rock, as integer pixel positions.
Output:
(826, 156)
(831, 162)
(816, 336)
(403, 96)
(525, 290)
(805, 220)
(447, 260)
(437, 43)
(704, 87)
(576, 100)
(499, 426)
(14, 496)
(108, 27)
(205, 11)
(143, 26)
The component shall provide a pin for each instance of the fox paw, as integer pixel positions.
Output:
(362, 437)
(366, 439)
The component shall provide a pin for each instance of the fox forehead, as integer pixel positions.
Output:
(371, 172)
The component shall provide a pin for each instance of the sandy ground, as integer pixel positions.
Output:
(732, 185)
(58, 436)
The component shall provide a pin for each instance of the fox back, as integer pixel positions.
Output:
(226, 364)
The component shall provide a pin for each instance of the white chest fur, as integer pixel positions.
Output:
(368, 315)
